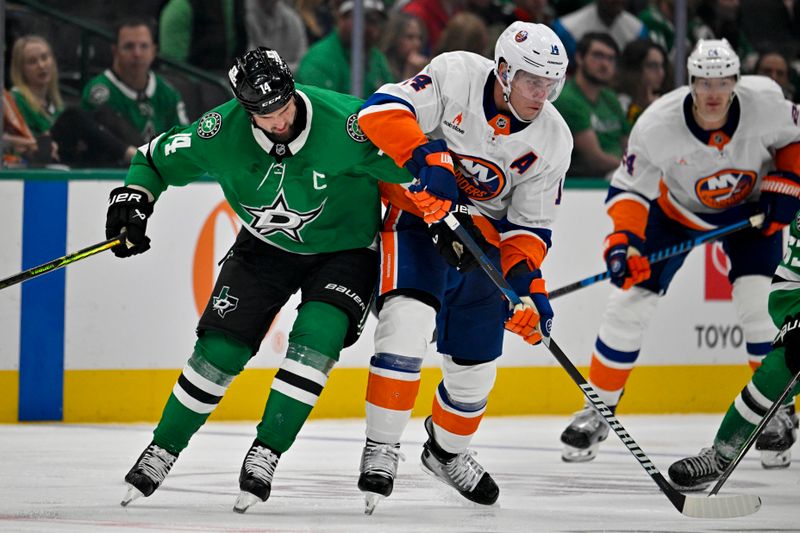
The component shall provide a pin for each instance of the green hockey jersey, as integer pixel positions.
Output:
(316, 194)
(784, 296)
(152, 111)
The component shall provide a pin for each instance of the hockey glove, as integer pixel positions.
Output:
(533, 318)
(436, 190)
(789, 339)
(128, 210)
(450, 247)
(780, 200)
(625, 263)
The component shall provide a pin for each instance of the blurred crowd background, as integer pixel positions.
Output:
(87, 82)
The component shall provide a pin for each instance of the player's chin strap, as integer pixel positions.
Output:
(507, 93)
(696, 507)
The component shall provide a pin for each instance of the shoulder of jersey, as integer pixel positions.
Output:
(757, 87)
(461, 67)
(661, 113)
(211, 122)
(558, 129)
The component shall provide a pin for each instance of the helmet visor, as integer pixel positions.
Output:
(534, 87)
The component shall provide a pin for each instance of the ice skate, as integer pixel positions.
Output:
(584, 434)
(775, 442)
(378, 469)
(460, 471)
(698, 471)
(147, 473)
(255, 478)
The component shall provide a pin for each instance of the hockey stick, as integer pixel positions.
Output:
(60, 262)
(754, 435)
(677, 249)
(695, 507)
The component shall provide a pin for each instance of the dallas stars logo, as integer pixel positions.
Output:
(279, 218)
(224, 303)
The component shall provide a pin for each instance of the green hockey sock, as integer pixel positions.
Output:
(752, 403)
(216, 360)
(316, 339)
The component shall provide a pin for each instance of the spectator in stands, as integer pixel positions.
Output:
(642, 77)
(720, 19)
(591, 109)
(317, 18)
(327, 62)
(658, 17)
(402, 44)
(19, 145)
(78, 139)
(772, 24)
(537, 11)
(465, 31)
(773, 64)
(434, 14)
(208, 34)
(129, 99)
(601, 16)
(274, 24)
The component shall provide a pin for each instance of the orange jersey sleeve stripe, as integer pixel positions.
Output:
(394, 194)
(458, 425)
(629, 215)
(522, 248)
(788, 158)
(395, 131)
(605, 377)
(391, 393)
(672, 212)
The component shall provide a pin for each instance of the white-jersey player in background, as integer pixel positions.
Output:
(498, 120)
(700, 157)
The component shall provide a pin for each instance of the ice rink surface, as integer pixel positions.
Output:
(59, 477)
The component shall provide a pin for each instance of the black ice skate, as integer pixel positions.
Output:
(776, 440)
(378, 469)
(584, 434)
(148, 472)
(460, 471)
(255, 478)
(698, 471)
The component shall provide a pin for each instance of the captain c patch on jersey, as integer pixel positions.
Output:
(725, 188)
(280, 218)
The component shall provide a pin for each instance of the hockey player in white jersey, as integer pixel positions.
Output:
(700, 157)
(497, 120)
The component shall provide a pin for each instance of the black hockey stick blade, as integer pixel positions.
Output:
(695, 507)
(754, 435)
(60, 262)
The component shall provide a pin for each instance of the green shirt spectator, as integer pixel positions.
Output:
(327, 63)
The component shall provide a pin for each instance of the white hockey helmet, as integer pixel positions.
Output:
(534, 48)
(713, 58)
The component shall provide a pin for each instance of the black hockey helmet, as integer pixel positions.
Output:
(261, 81)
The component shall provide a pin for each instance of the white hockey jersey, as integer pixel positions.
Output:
(517, 169)
(703, 179)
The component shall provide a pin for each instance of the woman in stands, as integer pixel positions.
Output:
(78, 139)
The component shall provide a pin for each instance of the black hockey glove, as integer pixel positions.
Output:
(789, 338)
(451, 249)
(128, 210)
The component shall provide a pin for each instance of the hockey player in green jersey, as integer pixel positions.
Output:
(768, 382)
(303, 179)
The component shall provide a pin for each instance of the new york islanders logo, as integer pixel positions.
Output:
(521, 36)
(725, 188)
(483, 180)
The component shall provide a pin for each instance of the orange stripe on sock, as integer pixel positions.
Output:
(607, 378)
(458, 425)
(391, 393)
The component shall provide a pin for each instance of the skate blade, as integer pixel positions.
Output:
(571, 454)
(371, 500)
(132, 494)
(773, 459)
(694, 488)
(245, 501)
